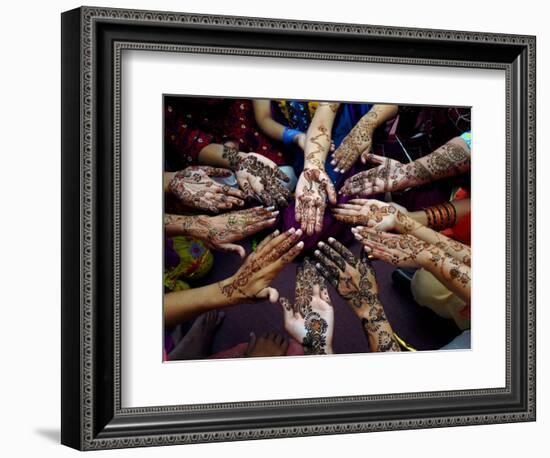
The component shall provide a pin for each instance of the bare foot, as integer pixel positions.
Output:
(269, 344)
(197, 342)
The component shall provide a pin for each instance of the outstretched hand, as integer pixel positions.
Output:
(310, 320)
(312, 190)
(220, 231)
(258, 176)
(381, 216)
(252, 280)
(388, 175)
(194, 188)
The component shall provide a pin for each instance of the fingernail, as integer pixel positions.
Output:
(291, 230)
(317, 252)
(271, 220)
(299, 232)
(275, 213)
(276, 232)
(270, 208)
(320, 244)
(360, 228)
(354, 230)
(332, 162)
(300, 245)
(331, 239)
(336, 169)
(318, 265)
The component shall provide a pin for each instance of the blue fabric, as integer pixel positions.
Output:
(289, 135)
(467, 137)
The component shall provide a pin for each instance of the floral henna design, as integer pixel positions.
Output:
(355, 281)
(306, 278)
(312, 157)
(314, 186)
(257, 176)
(315, 340)
(356, 143)
(195, 188)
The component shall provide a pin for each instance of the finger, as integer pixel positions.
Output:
(331, 192)
(284, 246)
(281, 175)
(232, 247)
(257, 227)
(328, 263)
(375, 159)
(310, 218)
(231, 191)
(360, 202)
(281, 201)
(333, 255)
(266, 241)
(342, 250)
(268, 293)
(216, 171)
(276, 241)
(351, 220)
(365, 154)
(235, 201)
(266, 198)
(346, 210)
(244, 184)
(298, 210)
(319, 216)
(289, 256)
(330, 273)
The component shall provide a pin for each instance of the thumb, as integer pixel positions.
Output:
(365, 154)
(232, 247)
(270, 293)
(288, 307)
(374, 158)
(217, 172)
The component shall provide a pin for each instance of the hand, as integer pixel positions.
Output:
(252, 280)
(313, 187)
(353, 278)
(357, 143)
(218, 232)
(378, 215)
(311, 319)
(194, 188)
(257, 176)
(389, 175)
(399, 250)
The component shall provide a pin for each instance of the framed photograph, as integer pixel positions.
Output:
(276, 228)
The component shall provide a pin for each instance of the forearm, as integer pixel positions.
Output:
(377, 328)
(319, 136)
(182, 306)
(451, 159)
(382, 113)
(175, 225)
(215, 155)
(167, 178)
(459, 251)
(461, 207)
(455, 275)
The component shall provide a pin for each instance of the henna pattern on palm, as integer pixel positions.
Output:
(314, 186)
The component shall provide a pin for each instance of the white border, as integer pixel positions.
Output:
(146, 381)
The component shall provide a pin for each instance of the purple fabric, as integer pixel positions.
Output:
(171, 257)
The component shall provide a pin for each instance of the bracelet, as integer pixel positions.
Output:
(441, 216)
(289, 135)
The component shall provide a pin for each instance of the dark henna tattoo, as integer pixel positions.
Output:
(315, 340)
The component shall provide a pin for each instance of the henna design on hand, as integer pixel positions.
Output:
(357, 143)
(355, 281)
(315, 340)
(257, 176)
(194, 187)
(314, 186)
(321, 142)
(258, 270)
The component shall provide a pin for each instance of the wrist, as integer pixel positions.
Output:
(314, 163)
(231, 156)
(228, 289)
(405, 224)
